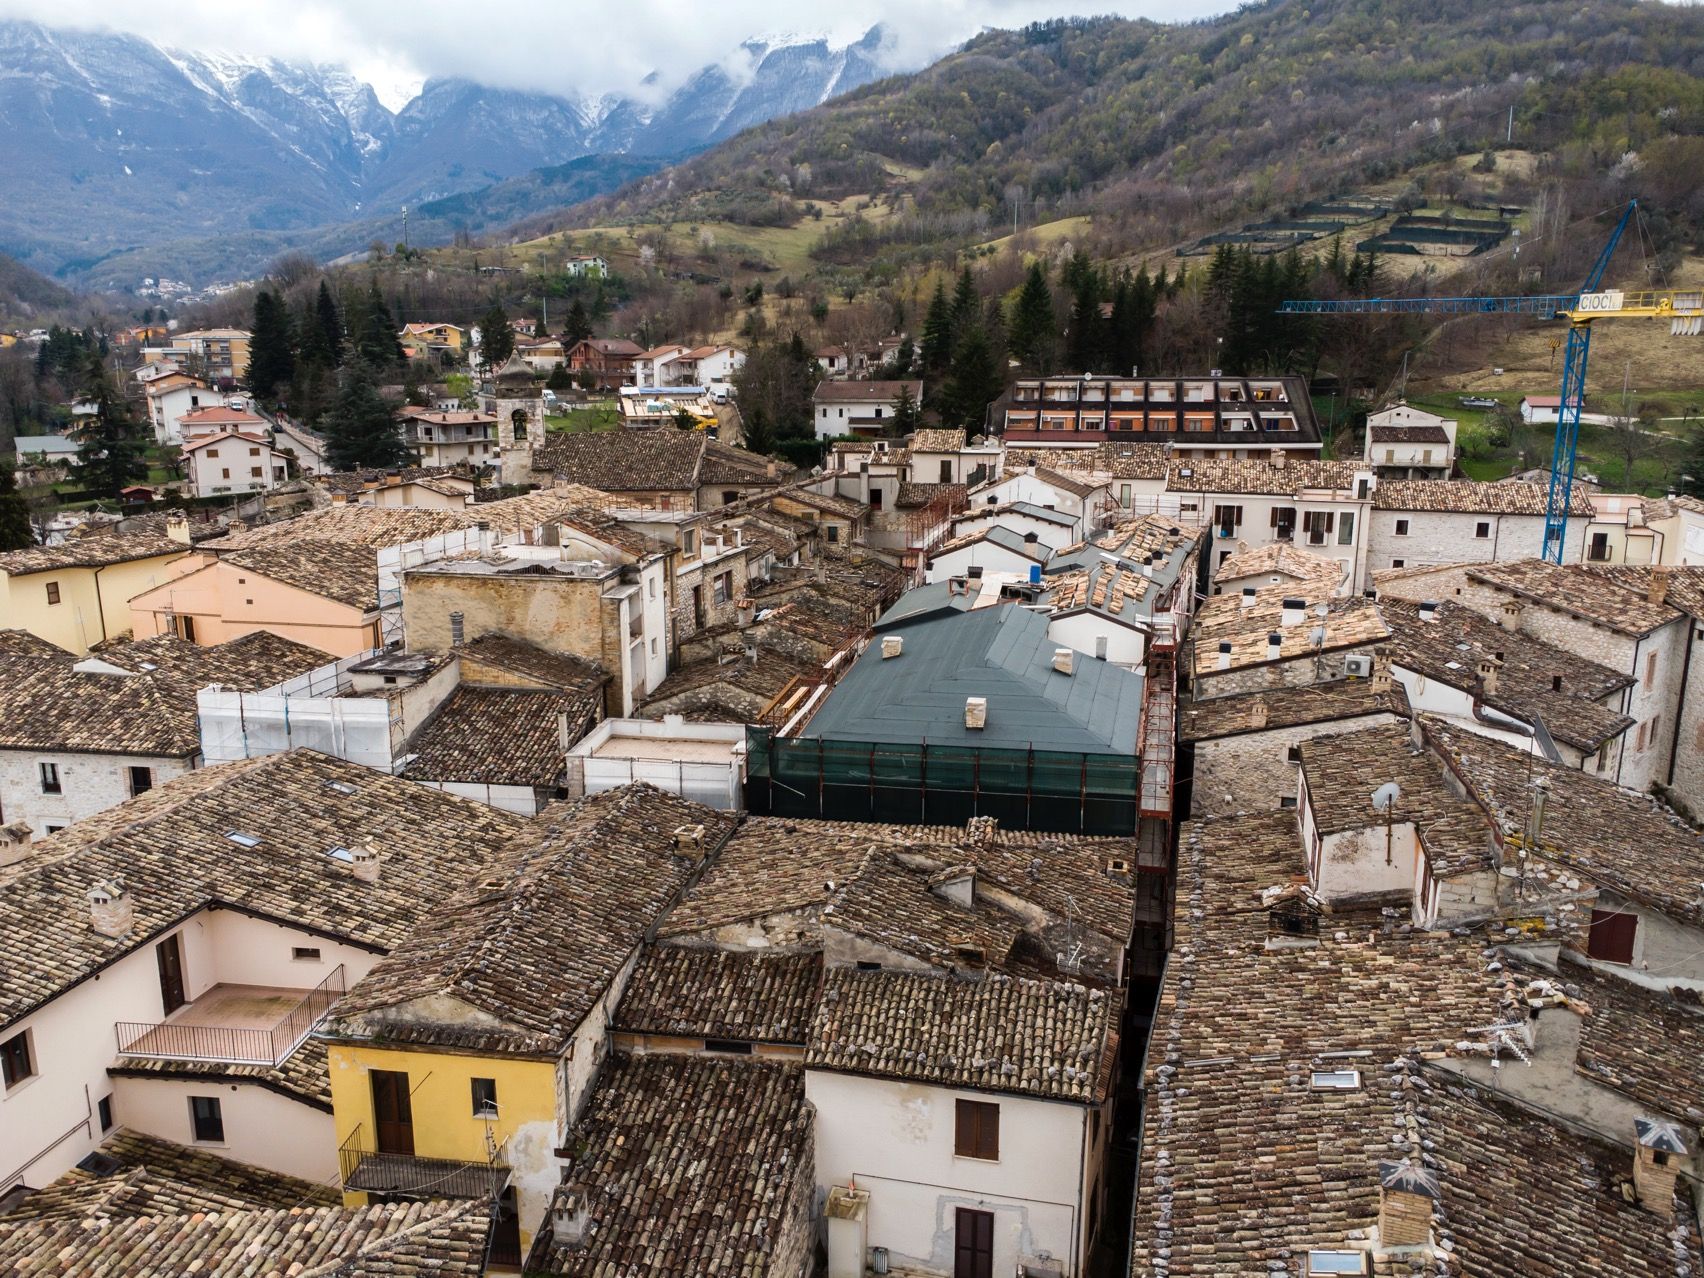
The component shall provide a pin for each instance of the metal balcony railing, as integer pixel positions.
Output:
(373, 1171)
(237, 1045)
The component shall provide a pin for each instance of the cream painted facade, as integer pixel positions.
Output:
(231, 463)
(77, 608)
(895, 1139)
(212, 600)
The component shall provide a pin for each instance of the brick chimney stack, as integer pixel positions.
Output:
(112, 912)
(1406, 1195)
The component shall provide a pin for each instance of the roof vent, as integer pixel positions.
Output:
(1294, 611)
(1248, 594)
(1664, 1150)
(457, 632)
(892, 646)
(1062, 659)
(112, 912)
(364, 863)
(976, 713)
(1429, 610)
(1406, 1195)
(1224, 654)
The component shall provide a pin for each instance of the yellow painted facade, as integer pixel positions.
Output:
(77, 608)
(441, 1101)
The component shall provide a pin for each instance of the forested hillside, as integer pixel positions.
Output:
(1164, 130)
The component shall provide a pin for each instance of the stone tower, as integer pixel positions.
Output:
(513, 395)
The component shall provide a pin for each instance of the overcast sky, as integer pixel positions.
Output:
(552, 47)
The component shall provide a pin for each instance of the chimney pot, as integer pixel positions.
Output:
(1248, 594)
(1294, 611)
(976, 712)
(689, 840)
(364, 864)
(1510, 615)
(1406, 1195)
(1662, 1150)
(1224, 654)
(1274, 643)
(456, 631)
(1279, 458)
(112, 912)
(1658, 590)
(1488, 667)
(1258, 714)
(1062, 659)
(892, 646)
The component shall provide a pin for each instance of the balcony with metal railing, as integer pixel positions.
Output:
(235, 1024)
(369, 1170)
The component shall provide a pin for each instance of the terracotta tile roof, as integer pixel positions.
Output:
(937, 441)
(499, 736)
(536, 939)
(1352, 622)
(225, 437)
(774, 866)
(344, 572)
(1575, 590)
(21, 643)
(740, 678)
(373, 526)
(1283, 559)
(1104, 589)
(170, 850)
(725, 464)
(1259, 476)
(303, 1076)
(1533, 677)
(47, 704)
(1216, 717)
(1115, 459)
(1066, 482)
(912, 496)
(539, 666)
(865, 392)
(1644, 1043)
(89, 552)
(444, 1240)
(1465, 496)
(1620, 839)
(697, 992)
(1046, 1039)
(625, 461)
(1408, 435)
(1683, 586)
(845, 507)
(355, 481)
(743, 1127)
(221, 415)
(154, 1175)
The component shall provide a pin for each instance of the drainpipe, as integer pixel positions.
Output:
(1680, 708)
(1627, 706)
(100, 607)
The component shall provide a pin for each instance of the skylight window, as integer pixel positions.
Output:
(243, 840)
(342, 787)
(340, 854)
(1337, 1080)
(1337, 1262)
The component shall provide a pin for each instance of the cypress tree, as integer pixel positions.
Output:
(16, 531)
(329, 324)
(496, 338)
(379, 344)
(272, 361)
(1032, 322)
(907, 417)
(937, 332)
(111, 454)
(579, 326)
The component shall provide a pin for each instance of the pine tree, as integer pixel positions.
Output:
(361, 431)
(328, 324)
(311, 350)
(379, 344)
(1084, 346)
(965, 301)
(111, 454)
(579, 326)
(973, 383)
(938, 332)
(496, 338)
(1032, 328)
(907, 416)
(16, 531)
(758, 436)
(272, 360)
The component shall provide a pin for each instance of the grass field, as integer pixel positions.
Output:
(589, 418)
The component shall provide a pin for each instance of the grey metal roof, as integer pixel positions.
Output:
(923, 601)
(1001, 653)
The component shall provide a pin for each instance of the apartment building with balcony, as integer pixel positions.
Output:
(446, 438)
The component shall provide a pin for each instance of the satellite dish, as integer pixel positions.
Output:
(1385, 797)
(1322, 610)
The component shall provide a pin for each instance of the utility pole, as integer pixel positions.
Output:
(1509, 138)
(405, 227)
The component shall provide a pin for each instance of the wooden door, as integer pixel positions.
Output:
(973, 1244)
(171, 974)
(393, 1117)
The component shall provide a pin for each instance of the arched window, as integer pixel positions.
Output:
(519, 420)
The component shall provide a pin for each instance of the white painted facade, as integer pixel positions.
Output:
(1327, 523)
(233, 463)
(1092, 635)
(1033, 488)
(167, 405)
(704, 762)
(1051, 533)
(990, 556)
(895, 1139)
(88, 783)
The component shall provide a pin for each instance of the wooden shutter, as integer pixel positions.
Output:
(977, 1130)
(1611, 939)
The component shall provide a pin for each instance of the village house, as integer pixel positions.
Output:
(182, 947)
(1420, 522)
(608, 361)
(169, 396)
(451, 336)
(1620, 531)
(583, 265)
(665, 469)
(1109, 597)
(1260, 640)
(1278, 565)
(1083, 496)
(654, 367)
(430, 487)
(542, 354)
(859, 408)
(221, 354)
(450, 437)
(77, 594)
(232, 461)
(80, 736)
(219, 419)
(1053, 529)
(1403, 442)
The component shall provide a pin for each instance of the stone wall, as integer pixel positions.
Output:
(1252, 772)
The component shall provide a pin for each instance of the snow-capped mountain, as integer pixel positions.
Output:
(115, 142)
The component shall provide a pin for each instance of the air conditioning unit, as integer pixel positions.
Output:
(1358, 667)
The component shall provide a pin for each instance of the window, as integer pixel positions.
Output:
(833, 533)
(977, 1130)
(206, 1120)
(224, 472)
(731, 1046)
(1482, 529)
(15, 1059)
(1612, 936)
(52, 592)
(254, 472)
(1319, 524)
(304, 953)
(1397, 563)
(485, 1098)
(689, 542)
(1402, 528)
(50, 779)
(1229, 518)
(1287, 801)
(1650, 670)
(1293, 754)
(141, 781)
(254, 452)
(1336, 1262)
(185, 627)
(723, 587)
(1336, 1080)
(1346, 529)
(104, 1109)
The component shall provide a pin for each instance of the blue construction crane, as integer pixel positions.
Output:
(1580, 309)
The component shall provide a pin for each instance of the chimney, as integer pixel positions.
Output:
(1248, 597)
(1488, 667)
(1062, 658)
(1663, 1149)
(981, 830)
(1274, 642)
(177, 526)
(744, 611)
(892, 646)
(1224, 654)
(1258, 713)
(364, 863)
(689, 840)
(568, 1219)
(1406, 1195)
(1381, 672)
(112, 912)
(457, 635)
(1279, 459)
(1657, 591)
(976, 712)
(1294, 611)
(1429, 610)
(1510, 616)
